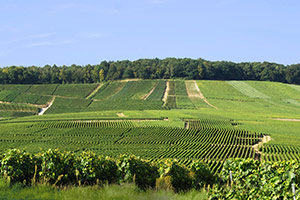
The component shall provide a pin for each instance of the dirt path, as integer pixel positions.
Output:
(166, 93)
(43, 110)
(133, 79)
(149, 93)
(121, 115)
(94, 91)
(264, 140)
(289, 120)
(201, 96)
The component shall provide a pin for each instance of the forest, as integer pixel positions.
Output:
(168, 68)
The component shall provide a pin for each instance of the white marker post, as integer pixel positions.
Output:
(230, 176)
(294, 191)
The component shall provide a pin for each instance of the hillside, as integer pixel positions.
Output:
(207, 120)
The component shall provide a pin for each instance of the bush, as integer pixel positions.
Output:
(17, 166)
(139, 171)
(202, 175)
(181, 179)
(94, 169)
(254, 180)
(57, 167)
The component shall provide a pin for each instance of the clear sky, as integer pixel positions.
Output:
(39, 32)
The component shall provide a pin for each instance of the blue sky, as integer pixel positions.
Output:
(39, 32)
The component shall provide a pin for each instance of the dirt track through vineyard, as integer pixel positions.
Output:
(43, 110)
(166, 92)
(289, 120)
(264, 140)
(94, 91)
(199, 95)
(149, 93)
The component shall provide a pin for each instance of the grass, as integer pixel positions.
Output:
(111, 192)
(247, 89)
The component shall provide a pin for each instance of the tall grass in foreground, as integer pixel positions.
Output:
(113, 192)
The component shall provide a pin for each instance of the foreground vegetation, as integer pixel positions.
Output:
(196, 122)
(238, 179)
(107, 192)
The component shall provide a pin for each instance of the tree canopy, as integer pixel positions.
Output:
(167, 68)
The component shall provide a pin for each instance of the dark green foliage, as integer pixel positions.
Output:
(181, 179)
(93, 169)
(17, 166)
(256, 180)
(250, 179)
(152, 69)
(57, 167)
(202, 175)
(141, 172)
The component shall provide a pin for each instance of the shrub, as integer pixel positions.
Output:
(137, 170)
(17, 166)
(202, 175)
(94, 169)
(57, 167)
(181, 180)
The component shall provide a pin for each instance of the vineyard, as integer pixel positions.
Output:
(155, 119)
(207, 140)
(189, 125)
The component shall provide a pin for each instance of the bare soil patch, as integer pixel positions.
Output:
(94, 91)
(149, 93)
(126, 80)
(43, 110)
(264, 140)
(166, 92)
(290, 120)
(121, 115)
(201, 96)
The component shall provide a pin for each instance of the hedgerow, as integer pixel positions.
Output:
(239, 178)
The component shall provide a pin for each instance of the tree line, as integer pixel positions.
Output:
(167, 68)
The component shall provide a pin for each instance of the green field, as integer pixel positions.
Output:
(229, 119)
